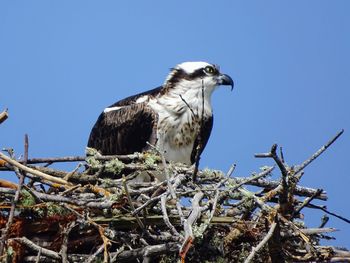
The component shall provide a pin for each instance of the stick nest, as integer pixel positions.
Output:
(114, 209)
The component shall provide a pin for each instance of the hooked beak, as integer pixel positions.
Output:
(226, 80)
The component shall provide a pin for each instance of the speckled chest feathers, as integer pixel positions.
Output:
(180, 114)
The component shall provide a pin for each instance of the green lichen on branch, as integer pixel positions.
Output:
(114, 166)
(150, 159)
(217, 218)
(26, 199)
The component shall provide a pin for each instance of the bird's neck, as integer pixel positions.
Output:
(195, 99)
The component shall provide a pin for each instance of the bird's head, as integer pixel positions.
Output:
(197, 75)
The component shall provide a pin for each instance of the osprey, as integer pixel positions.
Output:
(176, 117)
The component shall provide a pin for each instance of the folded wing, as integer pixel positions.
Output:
(125, 130)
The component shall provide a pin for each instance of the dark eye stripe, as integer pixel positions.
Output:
(180, 74)
(196, 74)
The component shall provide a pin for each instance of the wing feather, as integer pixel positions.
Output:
(123, 131)
(132, 99)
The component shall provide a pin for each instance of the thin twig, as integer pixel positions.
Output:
(330, 213)
(70, 174)
(3, 116)
(26, 149)
(262, 174)
(306, 202)
(166, 217)
(38, 256)
(100, 204)
(243, 181)
(298, 172)
(126, 158)
(44, 251)
(149, 201)
(267, 184)
(193, 114)
(314, 231)
(216, 197)
(171, 189)
(14, 202)
(142, 226)
(324, 221)
(32, 171)
(93, 257)
(200, 139)
(148, 251)
(281, 154)
(261, 244)
(318, 153)
(284, 187)
(196, 211)
(100, 229)
(64, 246)
(168, 178)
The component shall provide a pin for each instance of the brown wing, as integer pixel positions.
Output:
(124, 131)
(202, 139)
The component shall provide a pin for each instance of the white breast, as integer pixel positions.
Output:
(178, 125)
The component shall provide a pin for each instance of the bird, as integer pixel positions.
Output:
(176, 118)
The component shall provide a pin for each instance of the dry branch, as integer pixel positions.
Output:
(31, 245)
(262, 243)
(32, 171)
(3, 116)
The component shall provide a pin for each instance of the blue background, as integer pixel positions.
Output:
(62, 62)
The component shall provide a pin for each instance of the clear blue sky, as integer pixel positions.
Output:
(62, 62)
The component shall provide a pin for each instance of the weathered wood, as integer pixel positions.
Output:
(88, 216)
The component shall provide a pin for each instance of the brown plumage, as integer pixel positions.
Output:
(176, 117)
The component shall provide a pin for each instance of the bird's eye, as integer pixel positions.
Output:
(209, 70)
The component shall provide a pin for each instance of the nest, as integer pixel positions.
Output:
(103, 212)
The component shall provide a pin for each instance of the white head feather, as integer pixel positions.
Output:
(190, 67)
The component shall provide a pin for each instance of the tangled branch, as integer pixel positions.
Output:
(103, 211)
